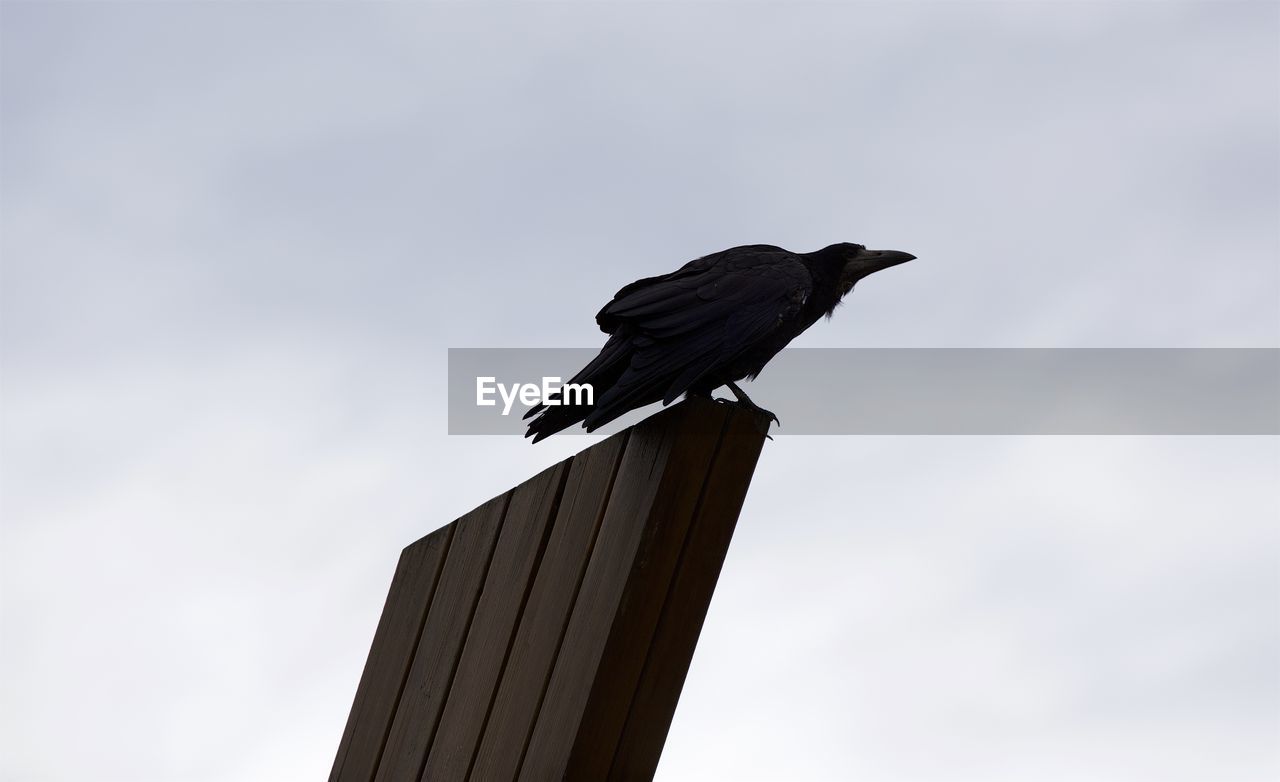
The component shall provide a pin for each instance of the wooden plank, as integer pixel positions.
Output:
(546, 635)
(546, 613)
(685, 609)
(641, 606)
(394, 643)
(652, 502)
(441, 642)
(520, 546)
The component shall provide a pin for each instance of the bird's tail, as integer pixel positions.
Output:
(603, 371)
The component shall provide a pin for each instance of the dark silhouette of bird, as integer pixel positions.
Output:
(711, 323)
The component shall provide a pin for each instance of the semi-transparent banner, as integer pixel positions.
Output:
(823, 391)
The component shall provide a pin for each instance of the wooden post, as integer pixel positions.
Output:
(546, 634)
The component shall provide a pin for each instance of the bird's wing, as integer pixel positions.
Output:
(675, 291)
(686, 324)
(705, 291)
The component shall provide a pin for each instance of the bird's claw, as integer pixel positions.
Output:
(770, 417)
(767, 416)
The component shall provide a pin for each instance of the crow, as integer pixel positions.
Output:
(713, 322)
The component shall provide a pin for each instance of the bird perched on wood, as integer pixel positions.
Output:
(711, 323)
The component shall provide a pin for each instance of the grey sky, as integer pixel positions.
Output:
(238, 238)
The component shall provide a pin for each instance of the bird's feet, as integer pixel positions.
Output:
(766, 416)
(745, 401)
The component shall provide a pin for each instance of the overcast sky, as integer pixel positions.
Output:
(239, 238)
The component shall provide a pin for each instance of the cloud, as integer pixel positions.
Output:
(237, 240)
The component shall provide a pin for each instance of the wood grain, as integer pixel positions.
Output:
(671, 649)
(547, 613)
(394, 644)
(546, 635)
(442, 637)
(520, 546)
(653, 498)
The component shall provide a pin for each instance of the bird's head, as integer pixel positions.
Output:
(860, 262)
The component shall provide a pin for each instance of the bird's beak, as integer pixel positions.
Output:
(871, 261)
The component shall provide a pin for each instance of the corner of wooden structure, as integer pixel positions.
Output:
(547, 633)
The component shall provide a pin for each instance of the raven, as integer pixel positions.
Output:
(716, 320)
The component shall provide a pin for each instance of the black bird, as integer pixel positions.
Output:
(715, 321)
